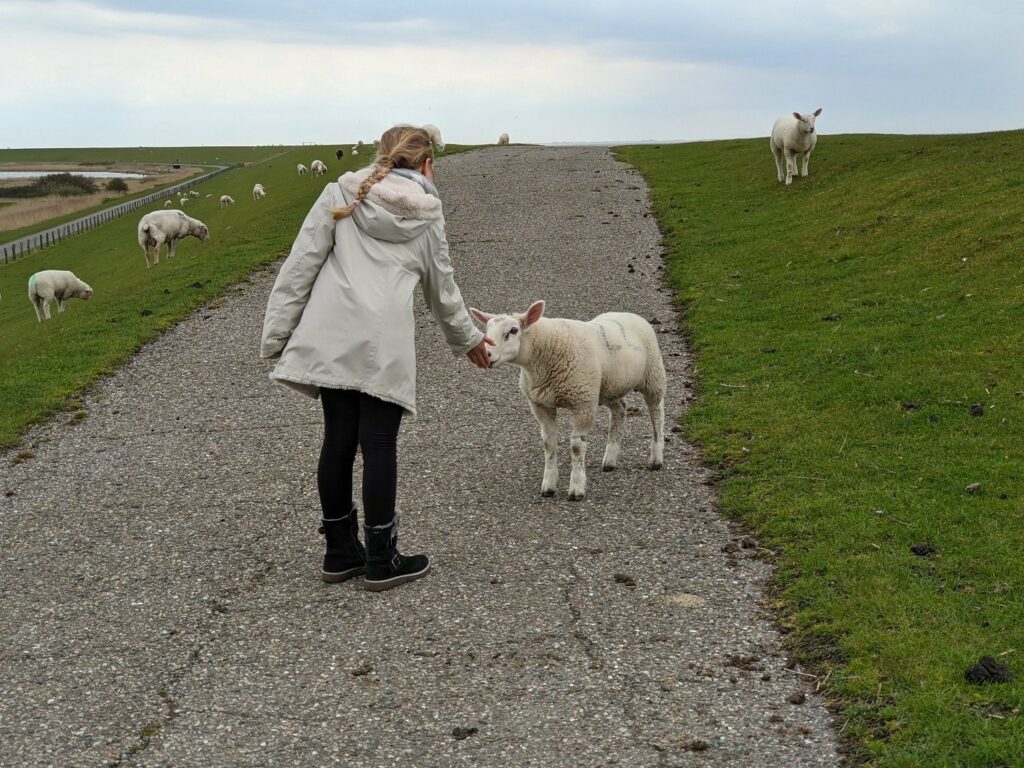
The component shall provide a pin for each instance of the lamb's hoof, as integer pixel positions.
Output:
(655, 465)
(607, 467)
(573, 496)
(547, 493)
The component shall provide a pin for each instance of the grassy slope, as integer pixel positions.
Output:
(161, 155)
(45, 363)
(844, 441)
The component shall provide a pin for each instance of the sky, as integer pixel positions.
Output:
(80, 73)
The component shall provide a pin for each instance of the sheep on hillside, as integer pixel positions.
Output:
(182, 201)
(50, 284)
(226, 200)
(503, 139)
(339, 153)
(258, 192)
(581, 365)
(354, 151)
(301, 169)
(793, 135)
(435, 136)
(193, 193)
(169, 227)
(318, 167)
(168, 204)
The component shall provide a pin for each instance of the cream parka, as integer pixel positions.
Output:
(340, 314)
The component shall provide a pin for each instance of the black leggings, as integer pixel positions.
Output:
(352, 418)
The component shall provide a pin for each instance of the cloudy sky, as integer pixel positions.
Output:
(189, 72)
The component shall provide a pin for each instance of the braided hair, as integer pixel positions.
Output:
(404, 146)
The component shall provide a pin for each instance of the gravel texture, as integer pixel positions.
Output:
(160, 575)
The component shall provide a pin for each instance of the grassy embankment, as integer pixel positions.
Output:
(186, 156)
(42, 366)
(858, 340)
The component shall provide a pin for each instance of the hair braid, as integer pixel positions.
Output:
(403, 146)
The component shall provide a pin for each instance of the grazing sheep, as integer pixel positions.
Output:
(182, 200)
(318, 167)
(258, 192)
(50, 284)
(793, 135)
(193, 193)
(168, 204)
(354, 151)
(503, 139)
(580, 365)
(435, 135)
(302, 169)
(169, 227)
(226, 200)
(339, 153)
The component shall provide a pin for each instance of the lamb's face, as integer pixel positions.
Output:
(84, 291)
(806, 122)
(506, 331)
(202, 232)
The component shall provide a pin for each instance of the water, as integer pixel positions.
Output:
(90, 174)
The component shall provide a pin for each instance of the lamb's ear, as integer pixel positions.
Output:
(798, 116)
(483, 317)
(817, 111)
(533, 314)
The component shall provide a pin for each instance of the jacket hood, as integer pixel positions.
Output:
(396, 209)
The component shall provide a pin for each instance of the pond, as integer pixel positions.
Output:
(90, 174)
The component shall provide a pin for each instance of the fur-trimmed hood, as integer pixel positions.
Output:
(396, 209)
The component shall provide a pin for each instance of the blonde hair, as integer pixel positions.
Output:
(404, 146)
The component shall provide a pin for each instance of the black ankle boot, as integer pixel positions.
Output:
(385, 567)
(345, 555)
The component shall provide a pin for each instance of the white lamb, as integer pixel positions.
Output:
(435, 136)
(169, 227)
(793, 135)
(50, 284)
(355, 151)
(193, 193)
(182, 200)
(226, 200)
(503, 139)
(580, 365)
(258, 192)
(168, 204)
(318, 167)
(302, 169)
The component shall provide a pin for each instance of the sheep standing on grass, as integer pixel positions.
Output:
(579, 366)
(302, 170)
(793, 135)
(258, 193)
(168, 204)
(169, 227)
(193, 193)
(50, 284)
(435, 136)
(226, 200)
(182, 201)
(503, 139)
(318, 167)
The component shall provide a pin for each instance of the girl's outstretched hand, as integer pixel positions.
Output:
(478, 354)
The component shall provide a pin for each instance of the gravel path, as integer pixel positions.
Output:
(160, 573)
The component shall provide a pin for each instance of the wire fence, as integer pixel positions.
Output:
(25, 245)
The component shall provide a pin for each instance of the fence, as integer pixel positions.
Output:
(25, 245)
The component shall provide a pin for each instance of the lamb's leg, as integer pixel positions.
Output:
(60, 304)
(790, 166)
(611, 451)
(37, 305)
(807, 161)
(549, 434)
(145, 252)
(582, 423)
(656, 410)
(156, 253)
(777, 154)
(170, 248)
(46, 308)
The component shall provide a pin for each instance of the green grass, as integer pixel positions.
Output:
(44, 365)
(112, 155)
(842, 329)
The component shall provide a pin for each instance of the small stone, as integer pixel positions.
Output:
(973, 488)
(978, 409)
(988, 670)
(697, 745)
(625, 579)
(363, 669)
(911, 406)
(834, 317)
(461, 732)
(731, 547)
(797, 697)
(749, 542)
(922, 549)
(676, 428)
(654, 321)
(8, 494)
